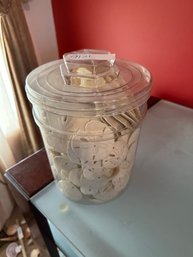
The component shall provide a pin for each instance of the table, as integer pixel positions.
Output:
(153, 217)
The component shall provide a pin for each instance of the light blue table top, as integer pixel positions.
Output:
(154, 216)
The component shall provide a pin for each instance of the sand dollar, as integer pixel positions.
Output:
(88, 186)
(56, 142)
(56, 121)
(70, 190)
(91, 144)
(117, 155)
(131, 152)
(74, 176)
(71, 155)
(62, 163)
(120, 181)
(90, 172)
(134, 136)
(106, 194)
(35, 253)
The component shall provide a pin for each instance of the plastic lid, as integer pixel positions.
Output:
(89, 82)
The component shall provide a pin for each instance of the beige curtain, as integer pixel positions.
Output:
(19, 135)
(21, 60)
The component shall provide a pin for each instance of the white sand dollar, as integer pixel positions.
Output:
(75, 124)
(83, 149)
(134, 136)
(55, 172)
(83, 71)
(41, 114)
(56, 121)
(57, 143)
(89, 144)
(125, 138)
(74, 176)
(88, 190)
(71, 155)
(125, 165)
(64, 174)
(108, 172)
(90, 172)
(120, 181)
(116, 156)
(106, 194)
(131, 153)
(62, 163)
(70, 190)
(92, 186)
(93, 164)
(35, 253)
(97, 126)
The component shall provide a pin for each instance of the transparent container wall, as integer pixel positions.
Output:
(91, 157)
(89, 107)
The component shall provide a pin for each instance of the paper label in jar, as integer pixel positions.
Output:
(105, 57)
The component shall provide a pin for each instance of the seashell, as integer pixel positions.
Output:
(133, 115)
(27, 233)
(83, 149)
(89, 144)
(62, 163)
(123, 120)
(88, 190)
(56, 121)
(131, 153)
(132, 146)
(125, 137)
(91, 83)
(75, 124)
(70, 190)
(83, 71)
(85, 80)
(51, 153)
(88, 151)
(125, 165)
(97, 126)
(71, 155)
(55, 142)
(106, 194)
(117, 155)
(120, 180)
(11, 229)
(74, 176)
(114, 123)
(64, 174)
(90, 172)
(11, 250)
(102, 149)
(41, 114)
(134, 136)
(92, 163)
(108, 172)
(55, 172)
(35, 253)
(92, 186)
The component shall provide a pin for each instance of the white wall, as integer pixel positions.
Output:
(40, 21)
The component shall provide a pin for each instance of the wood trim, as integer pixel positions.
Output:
(31, 174)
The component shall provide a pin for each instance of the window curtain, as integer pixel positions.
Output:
(19, 135)
(20, 57)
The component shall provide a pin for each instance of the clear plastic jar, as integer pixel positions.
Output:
(89, 108)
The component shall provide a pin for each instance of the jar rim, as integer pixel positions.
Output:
(129, 93)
